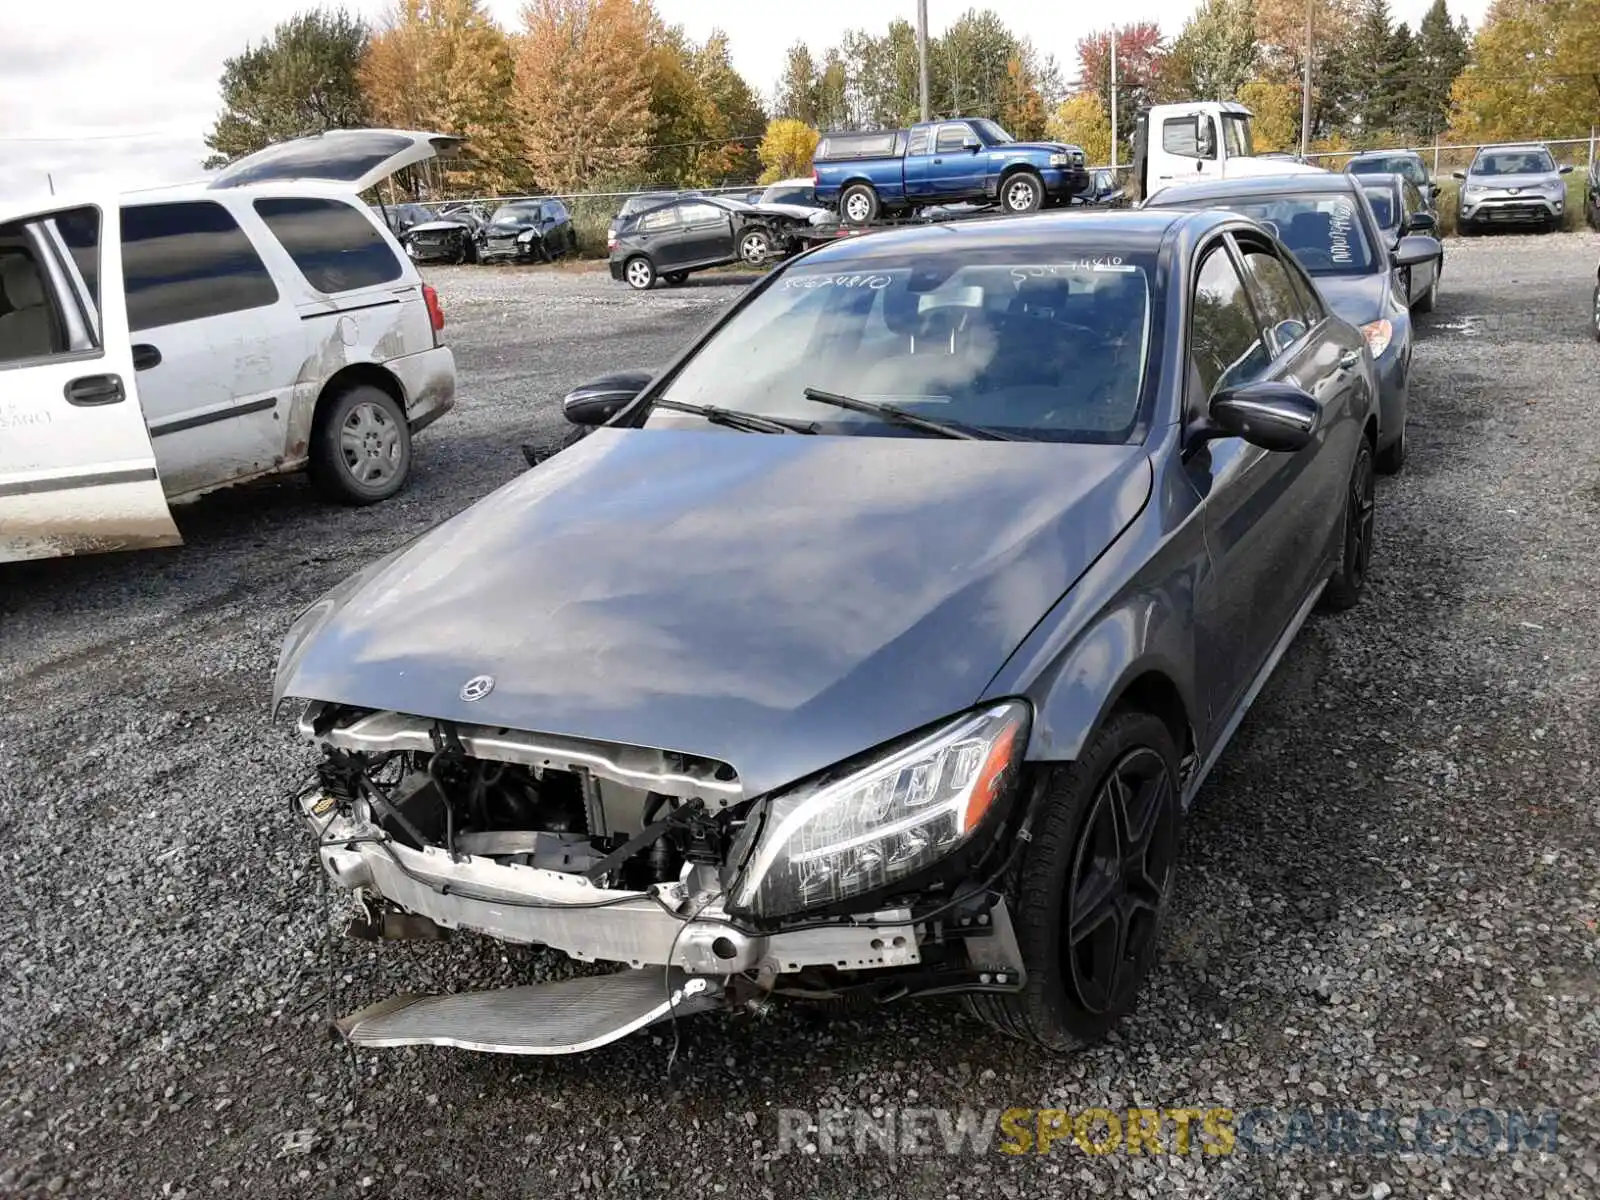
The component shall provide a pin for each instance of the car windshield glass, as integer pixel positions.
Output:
(507, 214)
(1325, 231)
(991, 133)
(1236, 129)
(1382, 200)
(1047, 344)
(1514, 162)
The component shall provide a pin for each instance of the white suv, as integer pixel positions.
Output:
(275, 325)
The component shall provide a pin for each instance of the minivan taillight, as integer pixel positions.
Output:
(611, 239)
(435, 312)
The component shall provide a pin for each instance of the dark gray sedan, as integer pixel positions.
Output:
(1327, 221)
(873, 648)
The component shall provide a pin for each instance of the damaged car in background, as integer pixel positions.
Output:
(872, 649)
(528, 231)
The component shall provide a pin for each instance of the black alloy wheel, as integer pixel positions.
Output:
(1345, 587)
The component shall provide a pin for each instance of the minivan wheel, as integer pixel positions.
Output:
(859, 203)
(1022, 193)
(361, 446)
(640, 274)
(1345, 587)
(1090, 890)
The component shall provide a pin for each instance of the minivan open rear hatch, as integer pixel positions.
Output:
(358, 158)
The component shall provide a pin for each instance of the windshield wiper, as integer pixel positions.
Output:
(901, 416)
(734, 419)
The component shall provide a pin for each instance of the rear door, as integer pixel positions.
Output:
(357, 158)
(919, 163)
(77, 471)
(658, 233)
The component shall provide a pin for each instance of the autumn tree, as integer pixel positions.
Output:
(833, 109)
(797, 87)
(1535, 72)
(967, 65)
(1276, 108)
(1140, 51)
(302, 80)
(1439, 54)
(680, 112)
(737, 116)
(1022, 111)
(582, 89)
(1083, 121)
(1214, 55)
(446, 65)
(1281, 40)
(786, 149)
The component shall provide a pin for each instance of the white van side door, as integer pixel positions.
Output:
(77, 471)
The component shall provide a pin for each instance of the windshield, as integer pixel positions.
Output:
(1236, 131)
(1514, 162)
(508, 214)
(990, 132)
(1046, 344)
(1397, 165)
(1382, 200)
(790, 195)
(1325, 232)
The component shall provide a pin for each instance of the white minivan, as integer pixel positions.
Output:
(269, 321)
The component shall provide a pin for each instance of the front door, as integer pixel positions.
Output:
(707, 233)
(956, 171)
(77, 471)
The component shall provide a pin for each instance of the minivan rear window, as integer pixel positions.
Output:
(339, 156)
(183, 262)
(336, 247)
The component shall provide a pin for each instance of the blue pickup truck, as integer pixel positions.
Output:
(866, 175)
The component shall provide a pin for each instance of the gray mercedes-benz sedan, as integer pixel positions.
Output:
(874, 648)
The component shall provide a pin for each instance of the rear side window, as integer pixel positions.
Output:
(662, 218)
(1281, 309)
(919, 142)
(185, 262)
(336, 248)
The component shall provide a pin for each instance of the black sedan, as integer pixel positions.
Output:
(875, 647)
(528, 231)
(1327, 221)
(669, 240)
(1400, 209)
(448, 237)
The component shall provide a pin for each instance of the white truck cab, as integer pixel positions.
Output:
(1199, 139)
(156, 346)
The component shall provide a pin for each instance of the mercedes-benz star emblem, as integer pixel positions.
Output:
(477, 687)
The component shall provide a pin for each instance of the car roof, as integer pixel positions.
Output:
(1132, 230)
(1513, 146)
(1383, 154)
(1388, 179)
(802, 181)
(1321, 183)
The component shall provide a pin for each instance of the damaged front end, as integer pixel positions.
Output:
(875, 880)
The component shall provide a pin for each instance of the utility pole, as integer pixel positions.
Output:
(1113, 97)
(922, 57)
(1305, 91)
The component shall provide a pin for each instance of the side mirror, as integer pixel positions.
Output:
(597, 401)
(1274, 416)
(1416, 248)
(970, 142)
(1566, 170)
(1421, 222)
(1458, 174)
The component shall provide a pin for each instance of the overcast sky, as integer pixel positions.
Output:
(104, 92)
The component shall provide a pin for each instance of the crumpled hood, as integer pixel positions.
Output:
(437, 226)
(504, 227)
(776, 602)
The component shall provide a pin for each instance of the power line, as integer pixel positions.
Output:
(98, 137)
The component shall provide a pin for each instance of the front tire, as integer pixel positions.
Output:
(1345, 587)
(1090, 890)
(360, 447)
(1022, 193)
(640, 273)
(754, 246)
(858, 204)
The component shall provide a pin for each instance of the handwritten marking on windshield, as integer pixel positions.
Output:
(1099, 262)
(806, 282)
(1339, 223)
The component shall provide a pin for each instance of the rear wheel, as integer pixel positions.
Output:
(858, 203)
(361, 447)
(1090, 890)
(640, 273)
(1348, 582)
(676, 278)
(1022, 192)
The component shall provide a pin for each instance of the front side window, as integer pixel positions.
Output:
(1514, 162)
(1177, 137)
(1225, 344)
(336, 248)
(1236, 131)
(185, 262)
(1277, 300)
(953, 137)
(1048, 343)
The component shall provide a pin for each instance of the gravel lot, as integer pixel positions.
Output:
(1388, 896)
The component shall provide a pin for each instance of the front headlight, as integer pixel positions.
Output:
(843, 836)
(1379, 334)
(527, 235)
(1471, 192)
(1061, 160)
